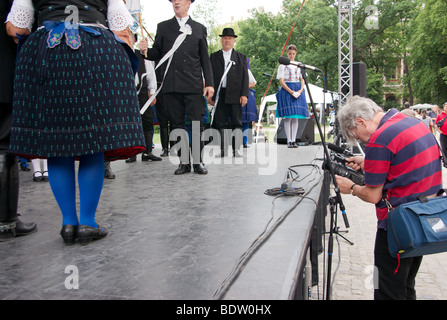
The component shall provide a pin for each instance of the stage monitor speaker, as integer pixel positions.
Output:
(306, 132)
(358, 80)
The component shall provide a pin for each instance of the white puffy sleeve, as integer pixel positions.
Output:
(118, 16)
(22, 14)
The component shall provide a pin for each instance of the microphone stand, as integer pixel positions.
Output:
(334, 200)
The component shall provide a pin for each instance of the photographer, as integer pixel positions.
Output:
(402, 162)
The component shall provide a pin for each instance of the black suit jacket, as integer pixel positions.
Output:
(189, 61)
(237, 77)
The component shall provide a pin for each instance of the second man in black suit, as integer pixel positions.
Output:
(231, 90)
(184, 87)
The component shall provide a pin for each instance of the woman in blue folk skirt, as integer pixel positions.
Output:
(291, 97)
(250, 111)
(75, 99)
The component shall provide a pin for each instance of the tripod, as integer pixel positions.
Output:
(332, 201)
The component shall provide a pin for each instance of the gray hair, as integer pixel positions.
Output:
(355, 107)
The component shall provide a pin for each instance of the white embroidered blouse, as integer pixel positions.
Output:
(119, 18)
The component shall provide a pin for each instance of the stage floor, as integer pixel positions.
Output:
(173, 237)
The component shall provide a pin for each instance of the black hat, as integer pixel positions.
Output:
(191, 1)
(228, 32)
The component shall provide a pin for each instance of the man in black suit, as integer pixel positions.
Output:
(183, 85)
(233, 90)
(10, 224)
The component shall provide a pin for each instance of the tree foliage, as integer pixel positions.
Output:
(413, 30)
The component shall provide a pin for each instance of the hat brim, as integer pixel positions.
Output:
(227, 35)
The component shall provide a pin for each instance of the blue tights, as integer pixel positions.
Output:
(61, 174)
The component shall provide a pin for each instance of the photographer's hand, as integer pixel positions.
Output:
(356, 162)
(366, 193)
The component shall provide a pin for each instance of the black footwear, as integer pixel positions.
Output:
(221, 154)
(294, 145)
(131, 159)
(289, 145)
(45, 176)
(200, 168)
(37, 177)
(182, 169)
(7, 231)
(24, 167)
(150, 156)
(237, 154)
(108, 173)
(164, 152)
(246, 146)
(69, 233)
(87, 234)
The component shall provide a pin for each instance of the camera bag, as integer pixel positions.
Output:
(418, 228)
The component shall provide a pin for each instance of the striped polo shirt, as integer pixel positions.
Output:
(403, 155)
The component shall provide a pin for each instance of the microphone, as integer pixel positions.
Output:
(287, 61)
(338, 149)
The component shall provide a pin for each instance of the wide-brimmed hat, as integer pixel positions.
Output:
(228, 32)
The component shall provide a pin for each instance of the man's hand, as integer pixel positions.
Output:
(208, 92)
(13, 31)
(243, 100)
(356, 162)
(144, 45)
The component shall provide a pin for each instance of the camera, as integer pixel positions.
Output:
(338, 162)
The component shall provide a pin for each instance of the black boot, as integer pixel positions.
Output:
(164, 138)
(10, 225)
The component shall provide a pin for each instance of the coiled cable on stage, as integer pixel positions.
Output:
(243, 259)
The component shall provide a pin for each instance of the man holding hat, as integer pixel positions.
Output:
(183, 85)
(232, 92)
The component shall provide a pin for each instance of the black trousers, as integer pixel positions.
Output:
(5, 126)
(227, 115)
(180, 106)
(399, 286)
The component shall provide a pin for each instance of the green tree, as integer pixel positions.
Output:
(428, 52)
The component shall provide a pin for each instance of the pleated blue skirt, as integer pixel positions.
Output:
(289, 106)
(69, 103)
(250, 112)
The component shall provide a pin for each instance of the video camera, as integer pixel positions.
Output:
(338, 161)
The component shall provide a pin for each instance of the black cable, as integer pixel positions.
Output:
(243, 259)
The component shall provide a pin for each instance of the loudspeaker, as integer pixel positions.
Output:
(306, 132)
(358, 80)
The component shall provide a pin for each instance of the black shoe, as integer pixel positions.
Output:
(246, 146)
(164, 153)
(45, 176)
(87, 234)
(24, 167)
(237, 154)
(69, 233)
(7, 231)
(108, 173)
(131, 159)
(289, 145)
(182, 169)
(294, 145)
(37, 176)
(150, 156)
(24, 229)
(200, 168)
(221, 154)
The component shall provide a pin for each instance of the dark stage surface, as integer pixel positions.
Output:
(171, 237)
